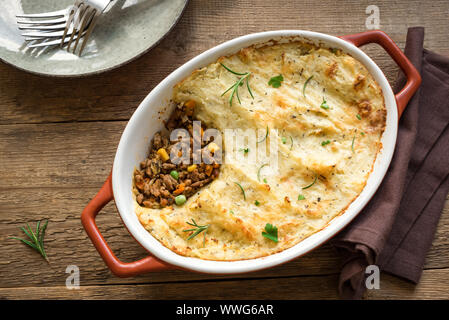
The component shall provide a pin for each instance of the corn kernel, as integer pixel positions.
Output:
(163, 154)
(190, 104)
(191, 168)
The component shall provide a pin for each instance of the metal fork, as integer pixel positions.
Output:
(81, 21)
(44, 29)
(62, 27)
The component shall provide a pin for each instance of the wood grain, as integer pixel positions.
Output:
(285, 288)
(58, 139)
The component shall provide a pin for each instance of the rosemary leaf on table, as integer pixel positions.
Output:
(36, 238)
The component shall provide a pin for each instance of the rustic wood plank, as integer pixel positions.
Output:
(433, 285)
(58, 140)
(56, 180)
(279, 288)
(67, 244)
(57, 155)
(289, 288)
(26, 98)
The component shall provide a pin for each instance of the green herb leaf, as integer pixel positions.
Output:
(256, 202)
(358, 117)
(265, 180)
(276, 82)
(324, 104)
(271, 232)
(37, 238)
(245, 150)
(284, 140)
(266, 135)
(258, 171)
(196, 230)
(305, 85)
(235, 87)
(241, 188)
(308, 186)
(325, 142)
(301, 197)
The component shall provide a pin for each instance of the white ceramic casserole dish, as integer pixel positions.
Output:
(145, 122)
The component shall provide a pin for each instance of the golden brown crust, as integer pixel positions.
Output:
(351, 124)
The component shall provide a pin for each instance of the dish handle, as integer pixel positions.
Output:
(413, 77)
(119, 268)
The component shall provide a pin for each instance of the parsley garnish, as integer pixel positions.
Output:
(305, 85)
(265, 180)
(301, 197)
(284, 140)
(276, 82)
(325, 142)
(245, 150)
(358, 117)
(256, 202)
(324, 104)
(271, 232)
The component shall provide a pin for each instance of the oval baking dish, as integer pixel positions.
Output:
(145, 122)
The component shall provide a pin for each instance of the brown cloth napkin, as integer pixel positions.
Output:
(395, 230)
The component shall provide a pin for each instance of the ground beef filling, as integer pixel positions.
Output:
(159, 182)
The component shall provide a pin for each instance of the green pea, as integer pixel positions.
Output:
(174, 174)
(180, 200)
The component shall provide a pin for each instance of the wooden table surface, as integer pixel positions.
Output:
(58, 138)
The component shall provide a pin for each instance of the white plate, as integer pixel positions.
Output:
(125, 31)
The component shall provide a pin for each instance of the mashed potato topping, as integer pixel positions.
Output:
(328, 115)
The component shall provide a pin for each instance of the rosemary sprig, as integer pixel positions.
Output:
(305, 85)
(307, 187)
(197, 229)
(258, 171)
(37, 238)
(241, 188)
(266, 136)
(237, 84)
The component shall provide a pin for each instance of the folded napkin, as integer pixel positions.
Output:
(395, 230)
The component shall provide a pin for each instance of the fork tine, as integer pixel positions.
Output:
(43, 43)
(42, 22)
(53, 14)
(51, 42)
(60, 26)
(73, 11)
(76, 23)
(89, 30)
(36, 34)
(87, 17)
